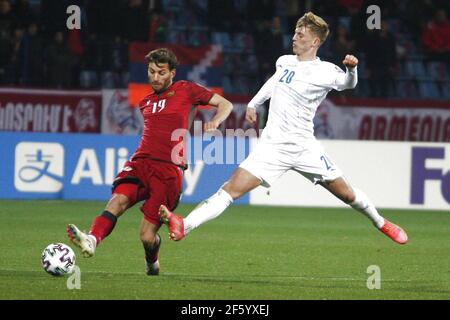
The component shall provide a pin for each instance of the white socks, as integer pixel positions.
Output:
(212, 207)
(207, 210)
(366, 207)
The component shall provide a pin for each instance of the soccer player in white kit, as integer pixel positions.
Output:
(300, 83)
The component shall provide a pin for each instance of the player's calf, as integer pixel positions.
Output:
(152, 256)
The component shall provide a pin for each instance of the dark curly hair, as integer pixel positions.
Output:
(162, 55)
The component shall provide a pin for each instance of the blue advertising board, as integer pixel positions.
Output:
(83, 166)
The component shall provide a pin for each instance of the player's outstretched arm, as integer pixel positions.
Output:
(224, 108)
(349, 79)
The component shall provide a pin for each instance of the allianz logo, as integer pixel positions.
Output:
(40, 167)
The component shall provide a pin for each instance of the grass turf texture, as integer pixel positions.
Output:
(250, 252)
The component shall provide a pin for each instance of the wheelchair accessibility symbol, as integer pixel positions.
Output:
(39, 167)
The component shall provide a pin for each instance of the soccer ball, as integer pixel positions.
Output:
(58, 259)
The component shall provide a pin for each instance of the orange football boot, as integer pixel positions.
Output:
(394, 232)
(174, 222)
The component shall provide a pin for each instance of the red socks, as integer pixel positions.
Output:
(103, 225)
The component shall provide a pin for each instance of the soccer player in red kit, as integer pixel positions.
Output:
(155, 172)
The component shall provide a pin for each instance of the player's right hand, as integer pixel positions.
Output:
(210, 126)
(251, 115)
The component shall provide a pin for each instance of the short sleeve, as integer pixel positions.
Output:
(199, 94)
(279, 63)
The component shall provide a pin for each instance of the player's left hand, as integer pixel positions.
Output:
(210, 126)
(350, 61)
(251, 115)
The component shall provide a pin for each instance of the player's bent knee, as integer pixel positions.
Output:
(234, 192)
(127, 194)
(341, 189)
(118, 203)
(345, 195)
(131, 187)
(240, 183)
(349, 198)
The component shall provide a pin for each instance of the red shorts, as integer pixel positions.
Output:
(154, 181)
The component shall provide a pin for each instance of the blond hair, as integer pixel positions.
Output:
(316, 24)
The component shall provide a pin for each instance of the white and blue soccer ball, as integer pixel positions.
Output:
(58, 259)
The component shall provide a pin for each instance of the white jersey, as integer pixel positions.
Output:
(296, 90)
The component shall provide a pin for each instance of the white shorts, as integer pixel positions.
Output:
(268, 161)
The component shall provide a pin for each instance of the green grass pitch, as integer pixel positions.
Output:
(250, 252)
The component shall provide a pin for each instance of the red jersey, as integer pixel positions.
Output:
(163, 114)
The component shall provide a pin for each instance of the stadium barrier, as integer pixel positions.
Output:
(108, 111)
(82, 167)
(400, 175)
(382, 119)
(55, 111)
